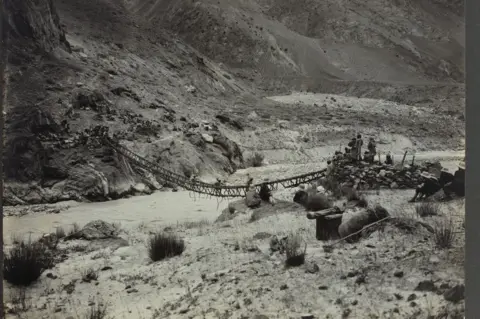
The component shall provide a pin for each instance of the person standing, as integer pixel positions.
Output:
(353, 148)
(359, 144)
(372, 147)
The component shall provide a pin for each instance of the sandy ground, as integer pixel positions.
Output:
(227, 272)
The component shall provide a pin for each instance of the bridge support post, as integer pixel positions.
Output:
(327, 222)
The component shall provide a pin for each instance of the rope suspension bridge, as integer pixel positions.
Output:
(223, 191)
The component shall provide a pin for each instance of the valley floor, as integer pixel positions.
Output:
(227, 270)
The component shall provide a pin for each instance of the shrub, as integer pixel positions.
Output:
(25, 262)
(256, 160)
(444, 234)
(294, 255)
(165, 245)
(427, 209)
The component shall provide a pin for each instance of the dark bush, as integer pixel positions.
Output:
(444, 234)
(25, 262)
(165, 245)
(295, 256)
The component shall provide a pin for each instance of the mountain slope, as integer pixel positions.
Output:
(157, 73)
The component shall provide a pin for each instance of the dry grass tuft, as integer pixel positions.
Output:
(295, 256)
(165, 245)
(97, 311)
(444, 234)
(427, 209)
(25, 262)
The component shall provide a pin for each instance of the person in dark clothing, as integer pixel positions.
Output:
(457, 185)
(300, 195)
(372, 147)
(389, 160)
(249, 182)
(353, 149)
(429, 187)
(445, 177)
(265, 193)
(368, 157)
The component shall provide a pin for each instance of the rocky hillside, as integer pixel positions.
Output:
(169, 78)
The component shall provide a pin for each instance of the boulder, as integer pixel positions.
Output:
(356, 221)
(252, 199)
(97, 229)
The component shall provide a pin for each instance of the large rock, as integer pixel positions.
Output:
(97, 229)
(252, 199)
(357, 221)
(316, 202)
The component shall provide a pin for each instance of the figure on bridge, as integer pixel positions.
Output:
(249, 181)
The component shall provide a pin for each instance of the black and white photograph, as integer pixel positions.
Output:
(233, 159)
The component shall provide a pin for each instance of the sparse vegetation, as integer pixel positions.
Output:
(195, 224)
(295, 256)
(89, 275)
(25, 262)
(97, 311)
(427, 209)
(164, 245)
(444, 234)
(256, 160)
(19, 300)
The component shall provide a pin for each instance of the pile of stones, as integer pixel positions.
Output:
(374, 176)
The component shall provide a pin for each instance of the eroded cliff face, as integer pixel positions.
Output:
(34, 24)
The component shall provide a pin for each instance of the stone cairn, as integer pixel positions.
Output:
(362, 175)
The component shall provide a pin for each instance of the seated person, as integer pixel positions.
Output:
(429, 187)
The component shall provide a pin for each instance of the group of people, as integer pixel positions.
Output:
(353, 151)
(452, 184)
